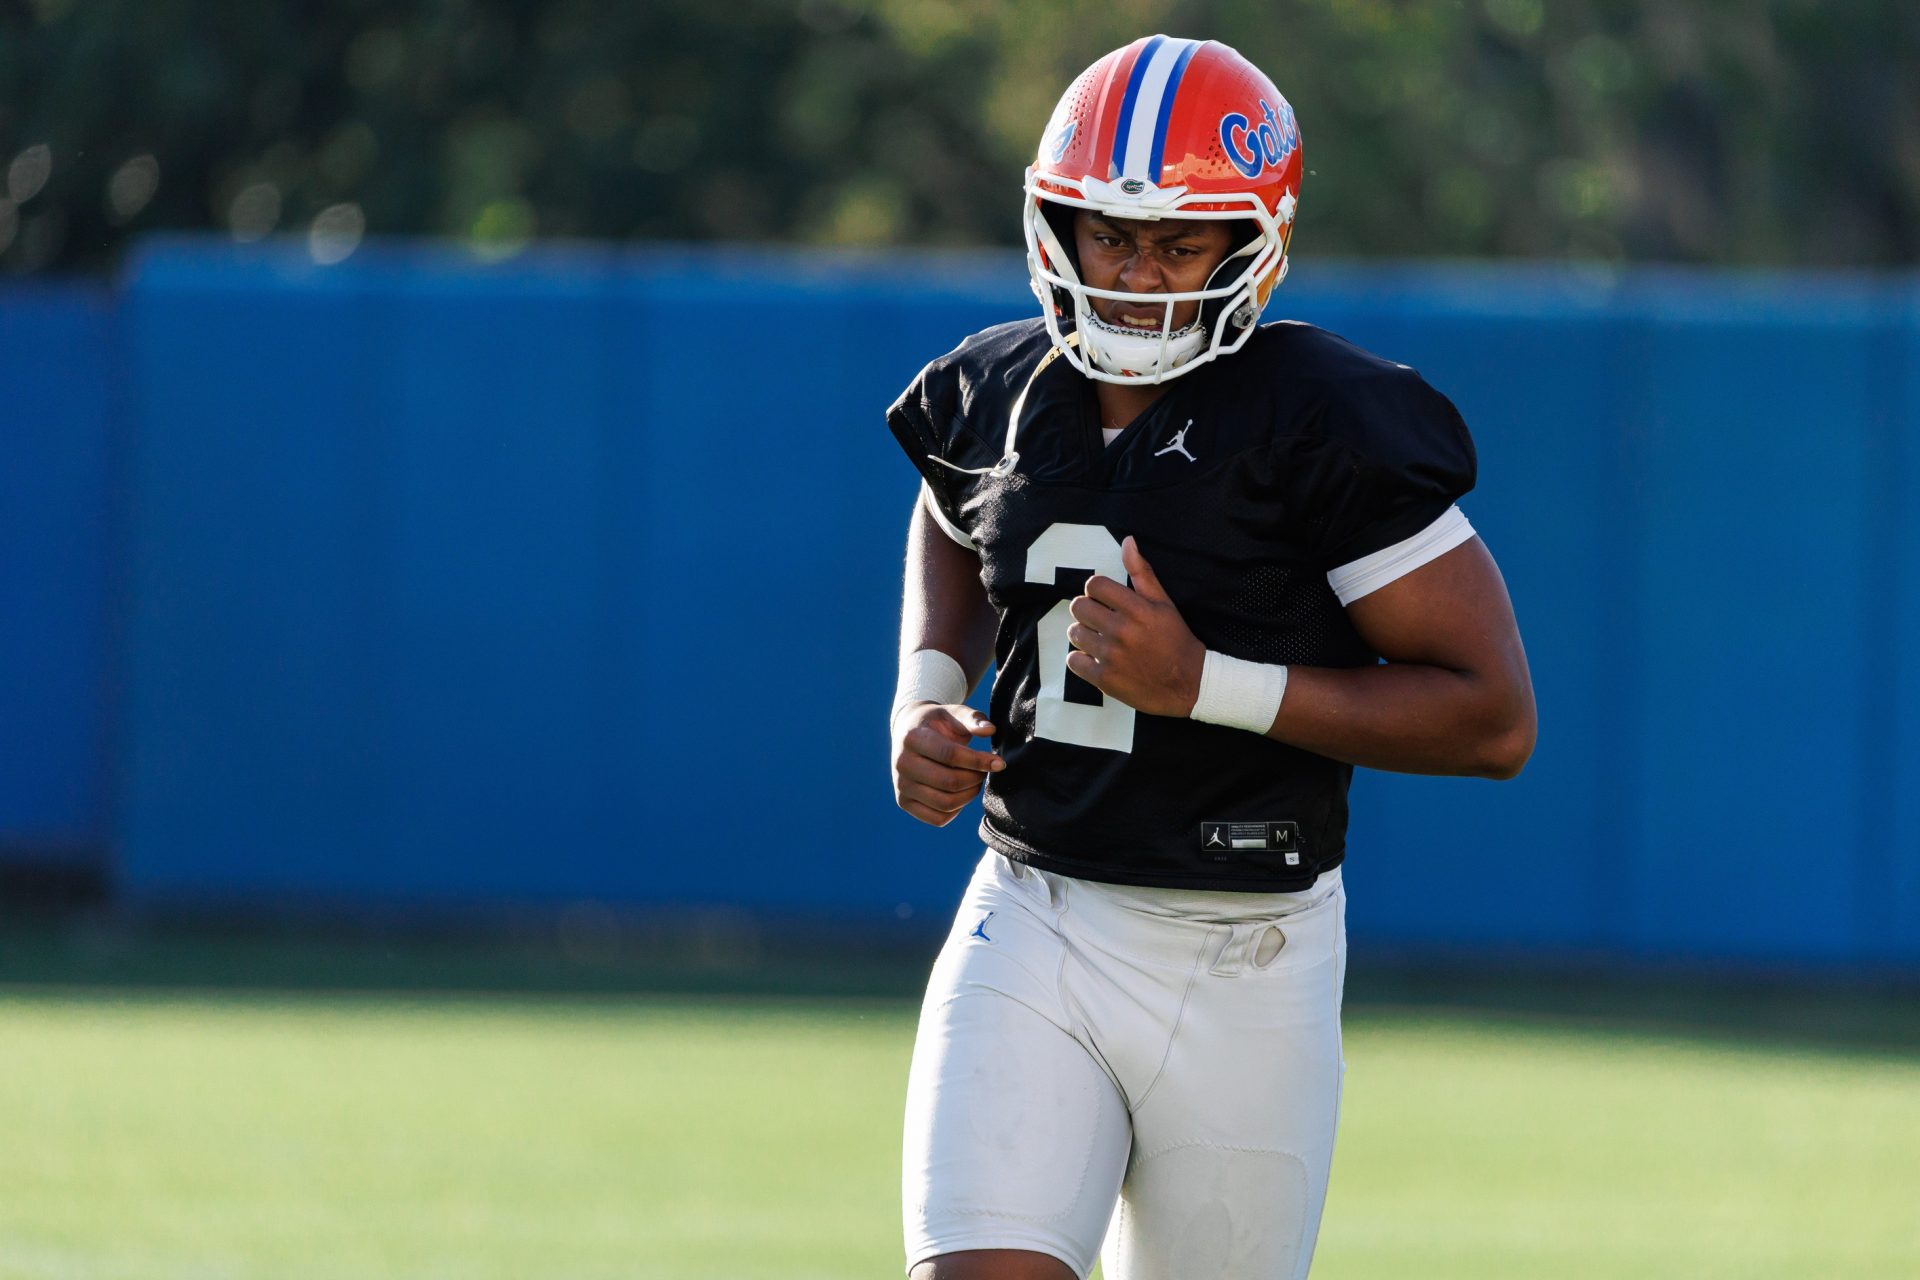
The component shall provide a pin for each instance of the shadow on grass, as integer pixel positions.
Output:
(722, 956)
(1831, 1010)
(587, 951)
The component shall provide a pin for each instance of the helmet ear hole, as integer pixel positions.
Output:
(1060, 219)
(1059, 222)
(1246, 238)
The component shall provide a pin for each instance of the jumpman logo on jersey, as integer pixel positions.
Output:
(980, 930)
(1179, 443)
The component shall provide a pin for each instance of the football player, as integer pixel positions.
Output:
(1188, 541)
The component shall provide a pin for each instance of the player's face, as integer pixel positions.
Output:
(1173, 255)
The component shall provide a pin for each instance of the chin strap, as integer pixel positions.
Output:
(1009, 456)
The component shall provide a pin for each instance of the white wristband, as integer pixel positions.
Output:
(928, 675)
(1239, 694)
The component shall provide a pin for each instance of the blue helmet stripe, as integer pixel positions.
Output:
(1166, 110)
(1125, 126)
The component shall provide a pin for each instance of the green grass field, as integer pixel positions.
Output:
(161, 1134)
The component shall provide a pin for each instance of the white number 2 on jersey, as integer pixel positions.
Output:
(1109, 725)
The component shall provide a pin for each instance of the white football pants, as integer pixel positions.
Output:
(1176, 1049)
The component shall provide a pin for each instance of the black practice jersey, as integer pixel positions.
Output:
(1244, 483)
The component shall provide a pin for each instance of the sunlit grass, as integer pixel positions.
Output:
(1473, 1149)
(458, 1139)
(176, 1136)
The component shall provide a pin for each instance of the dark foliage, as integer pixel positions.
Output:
(1749, 131)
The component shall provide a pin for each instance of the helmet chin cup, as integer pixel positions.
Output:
(1131, 353)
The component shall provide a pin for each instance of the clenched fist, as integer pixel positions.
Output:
(936, 773)
(1132, 644)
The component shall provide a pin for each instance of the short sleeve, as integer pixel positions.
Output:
(920, 421)
(930, 425)
(1398, 458)
(951, 420)
(947, 526)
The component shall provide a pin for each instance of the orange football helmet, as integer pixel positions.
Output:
(1164, 128)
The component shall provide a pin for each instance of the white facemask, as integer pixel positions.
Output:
(1108, 353)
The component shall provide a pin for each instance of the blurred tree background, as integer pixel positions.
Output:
(1715, 131)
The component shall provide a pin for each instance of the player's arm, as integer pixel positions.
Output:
(1453, 697)
(944, 613)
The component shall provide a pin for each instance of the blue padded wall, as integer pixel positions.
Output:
(458, 586)
(57, 367)
(1534, 368)
(572, 579)
(1750, 615)
(1887, 676)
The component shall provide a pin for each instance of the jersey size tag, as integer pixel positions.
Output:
(1221, 841)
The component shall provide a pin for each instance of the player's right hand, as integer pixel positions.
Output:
(936, 772)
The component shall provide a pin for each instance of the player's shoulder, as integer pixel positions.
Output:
(1305, 354)
(993, 354)
(953, 407)
(1349, 395)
